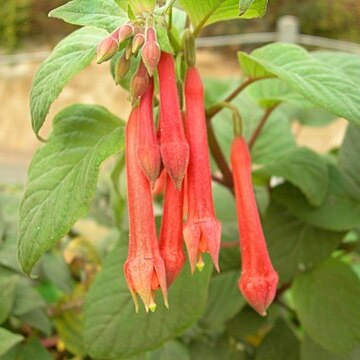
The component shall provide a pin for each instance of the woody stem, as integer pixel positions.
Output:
(219, 157)
(258, 129)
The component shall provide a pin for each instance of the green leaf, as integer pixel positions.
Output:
(206, 12)
(163, 39)
(57, 271)
(327, 302)
(63, 176)
(348, 63)
(69, 57)
(224, 300)
(246, 324)
(37, 319)
(8, 340)
(349, 158)
(280, 344)
(306, 170)
(215, 349)
(294, 245)
(26, 298)
(275, 140)
(170, 350)
(312, 351)
(110, 319)
(271, 92)
(8, 284)
(339, 211)
(104, 14)
(139, 7)
(322, 84)
(70, 328)
(32, 349)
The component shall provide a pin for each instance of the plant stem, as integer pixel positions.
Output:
(219, 157)
(217, 108)
(262, 123)
(230, 244)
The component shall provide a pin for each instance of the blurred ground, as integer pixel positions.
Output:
(94, 85)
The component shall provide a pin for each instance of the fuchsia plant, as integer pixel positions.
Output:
(191, 181)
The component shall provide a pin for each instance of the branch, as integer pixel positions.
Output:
(215, 109)
(262, 123)
(219, 158)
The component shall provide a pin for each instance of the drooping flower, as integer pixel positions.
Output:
(170, 241)
(174, 147)
(258, 280)
(202, 231)
(147, 148)
(144, 268)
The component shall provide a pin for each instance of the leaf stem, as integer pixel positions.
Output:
(219, 157)
(217, 108)
(262, 123)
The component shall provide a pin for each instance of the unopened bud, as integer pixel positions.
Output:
(106, 49)
(122, 67)
(125, 32)
(151, 51)
(139, 83)
(137, 43)
(128, 51)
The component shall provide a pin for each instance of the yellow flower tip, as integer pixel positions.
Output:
(200, 266)
(152, 307)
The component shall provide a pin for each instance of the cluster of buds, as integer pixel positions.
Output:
(173, 158)
(134, 39)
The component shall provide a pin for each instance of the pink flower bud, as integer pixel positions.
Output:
(137, 43)
(144, 268)
(106, 49)
(151, 51)
(139, 83)
(148, 150)
(122, 67)
(160, 183)
(173, 144)
(170, 241)
(202, 231)
(258, 280)
(125, 32)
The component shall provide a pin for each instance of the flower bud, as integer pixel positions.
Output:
(106, 49)
(151, 51)
(258, 280)
(147, 149)
(122, 67)
(125, 32)
(137, 43)
(139, 83)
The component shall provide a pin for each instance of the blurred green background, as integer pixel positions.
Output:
(339, 19)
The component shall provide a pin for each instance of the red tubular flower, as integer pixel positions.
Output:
(147, 149)
(173, 144)
(144, 268)
(258, 280)
(151, 51)
(170, 242)
(202, 231)
(159, 187)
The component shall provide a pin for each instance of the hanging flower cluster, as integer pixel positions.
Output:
(174, 155)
